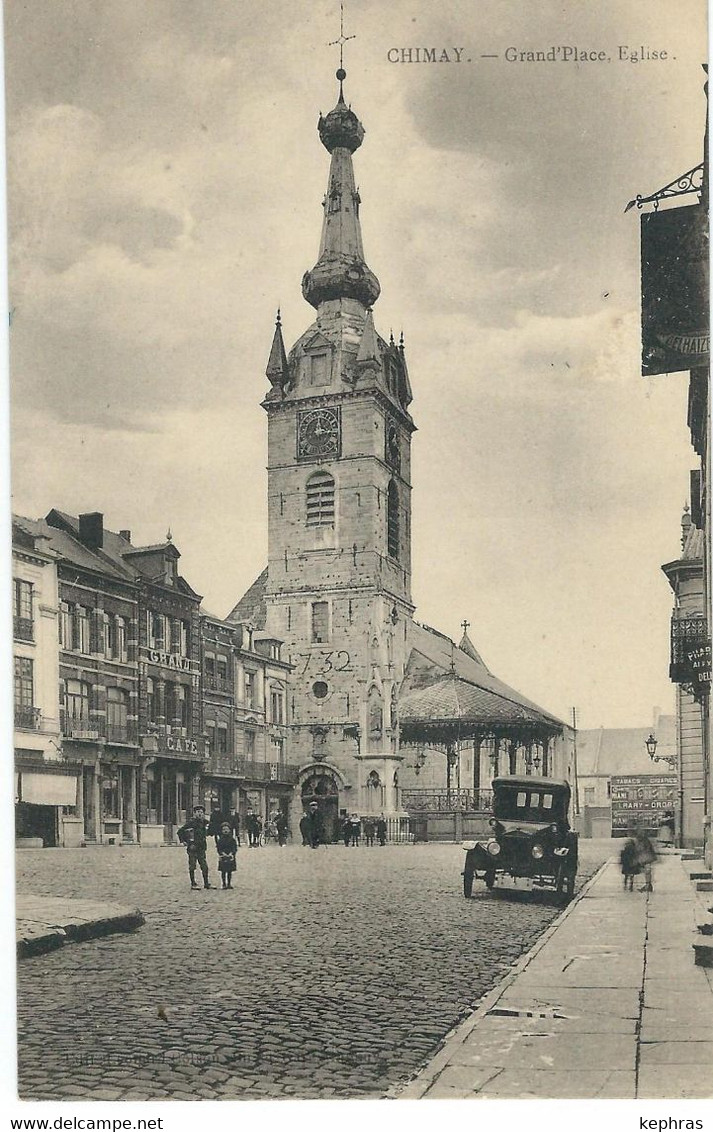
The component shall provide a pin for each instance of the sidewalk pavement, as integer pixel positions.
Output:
(608, 1004)
(45, 923)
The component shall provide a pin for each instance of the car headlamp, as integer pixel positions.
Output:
(537, 852)
(493, 848)
(492, 823)
(554, 827)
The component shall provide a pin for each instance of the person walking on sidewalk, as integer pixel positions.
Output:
(645, 856)
(193, 835)
(666, 830)
(629, 863)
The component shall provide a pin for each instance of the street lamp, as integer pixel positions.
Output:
(651, 744)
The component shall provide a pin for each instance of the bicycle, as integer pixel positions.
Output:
(270, 833)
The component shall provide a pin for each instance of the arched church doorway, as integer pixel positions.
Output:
(322, 788)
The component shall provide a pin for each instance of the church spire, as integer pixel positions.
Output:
(341, 271)
(277, 370)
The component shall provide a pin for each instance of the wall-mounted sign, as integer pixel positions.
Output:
(675, 322)
(179, 745)
(641, 800)
(168, 660)
(690, 653)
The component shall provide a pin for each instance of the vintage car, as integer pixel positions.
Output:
(531, 837)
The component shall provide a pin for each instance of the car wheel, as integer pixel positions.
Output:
(565, 885)
(490, 878)
(468, 883)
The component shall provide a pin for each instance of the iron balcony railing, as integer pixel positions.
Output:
(28, 718)
(92, 728)
(420, 801)
(268, 772)
(23, 629)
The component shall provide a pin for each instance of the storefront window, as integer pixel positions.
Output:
(110, 796)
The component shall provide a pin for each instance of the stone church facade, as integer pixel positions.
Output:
(337, 589)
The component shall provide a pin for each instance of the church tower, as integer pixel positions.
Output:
(339, 511)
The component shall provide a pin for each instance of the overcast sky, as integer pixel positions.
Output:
(165, 182)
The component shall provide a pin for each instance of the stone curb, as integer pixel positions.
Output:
(421, 1083)
(37, 937)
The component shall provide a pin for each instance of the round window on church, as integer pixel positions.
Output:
(320, 688)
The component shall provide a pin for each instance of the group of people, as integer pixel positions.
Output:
(350, 828)
(353, 827)
(194, 835)
(226, 833)
(639, 853)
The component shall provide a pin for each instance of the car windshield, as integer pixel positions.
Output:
(536, 805)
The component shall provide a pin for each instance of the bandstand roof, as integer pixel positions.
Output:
(448, 695)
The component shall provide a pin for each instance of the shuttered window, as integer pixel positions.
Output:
(320, 500)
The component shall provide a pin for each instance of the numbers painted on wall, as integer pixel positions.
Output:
(324, 662)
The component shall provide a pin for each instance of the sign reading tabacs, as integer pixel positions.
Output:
(675, 320)
(641, 799)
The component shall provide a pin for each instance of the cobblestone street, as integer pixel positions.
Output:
(322, 974)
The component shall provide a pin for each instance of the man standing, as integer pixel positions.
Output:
(281, 826)
(234, 823)
(193, 835)
(381, 829)
(314, 835)
(252, 827)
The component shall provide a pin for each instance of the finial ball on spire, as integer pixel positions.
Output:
(341, 74)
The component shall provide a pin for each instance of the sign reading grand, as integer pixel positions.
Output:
(675, 322)
(168, 660)
(641, 799)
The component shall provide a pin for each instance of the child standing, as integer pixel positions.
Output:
(227, 848)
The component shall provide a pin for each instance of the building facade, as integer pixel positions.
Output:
(689, 625)
(46, 784)
(337, 588)
(246, 708)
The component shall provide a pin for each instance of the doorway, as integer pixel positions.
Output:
(37, 821)
(322, 789)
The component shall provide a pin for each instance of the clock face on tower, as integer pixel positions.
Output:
(318, 434)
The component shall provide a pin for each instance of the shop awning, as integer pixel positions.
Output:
(48, 789)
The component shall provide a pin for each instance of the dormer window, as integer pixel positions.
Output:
(317, 373)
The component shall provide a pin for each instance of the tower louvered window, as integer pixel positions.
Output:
(320, 500)
(392, 520)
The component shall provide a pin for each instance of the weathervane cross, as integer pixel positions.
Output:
(341, 74)
(466, 626)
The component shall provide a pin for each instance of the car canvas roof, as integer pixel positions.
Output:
(529, 780)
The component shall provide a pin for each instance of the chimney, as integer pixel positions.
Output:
(126, 535)
(91, 530)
